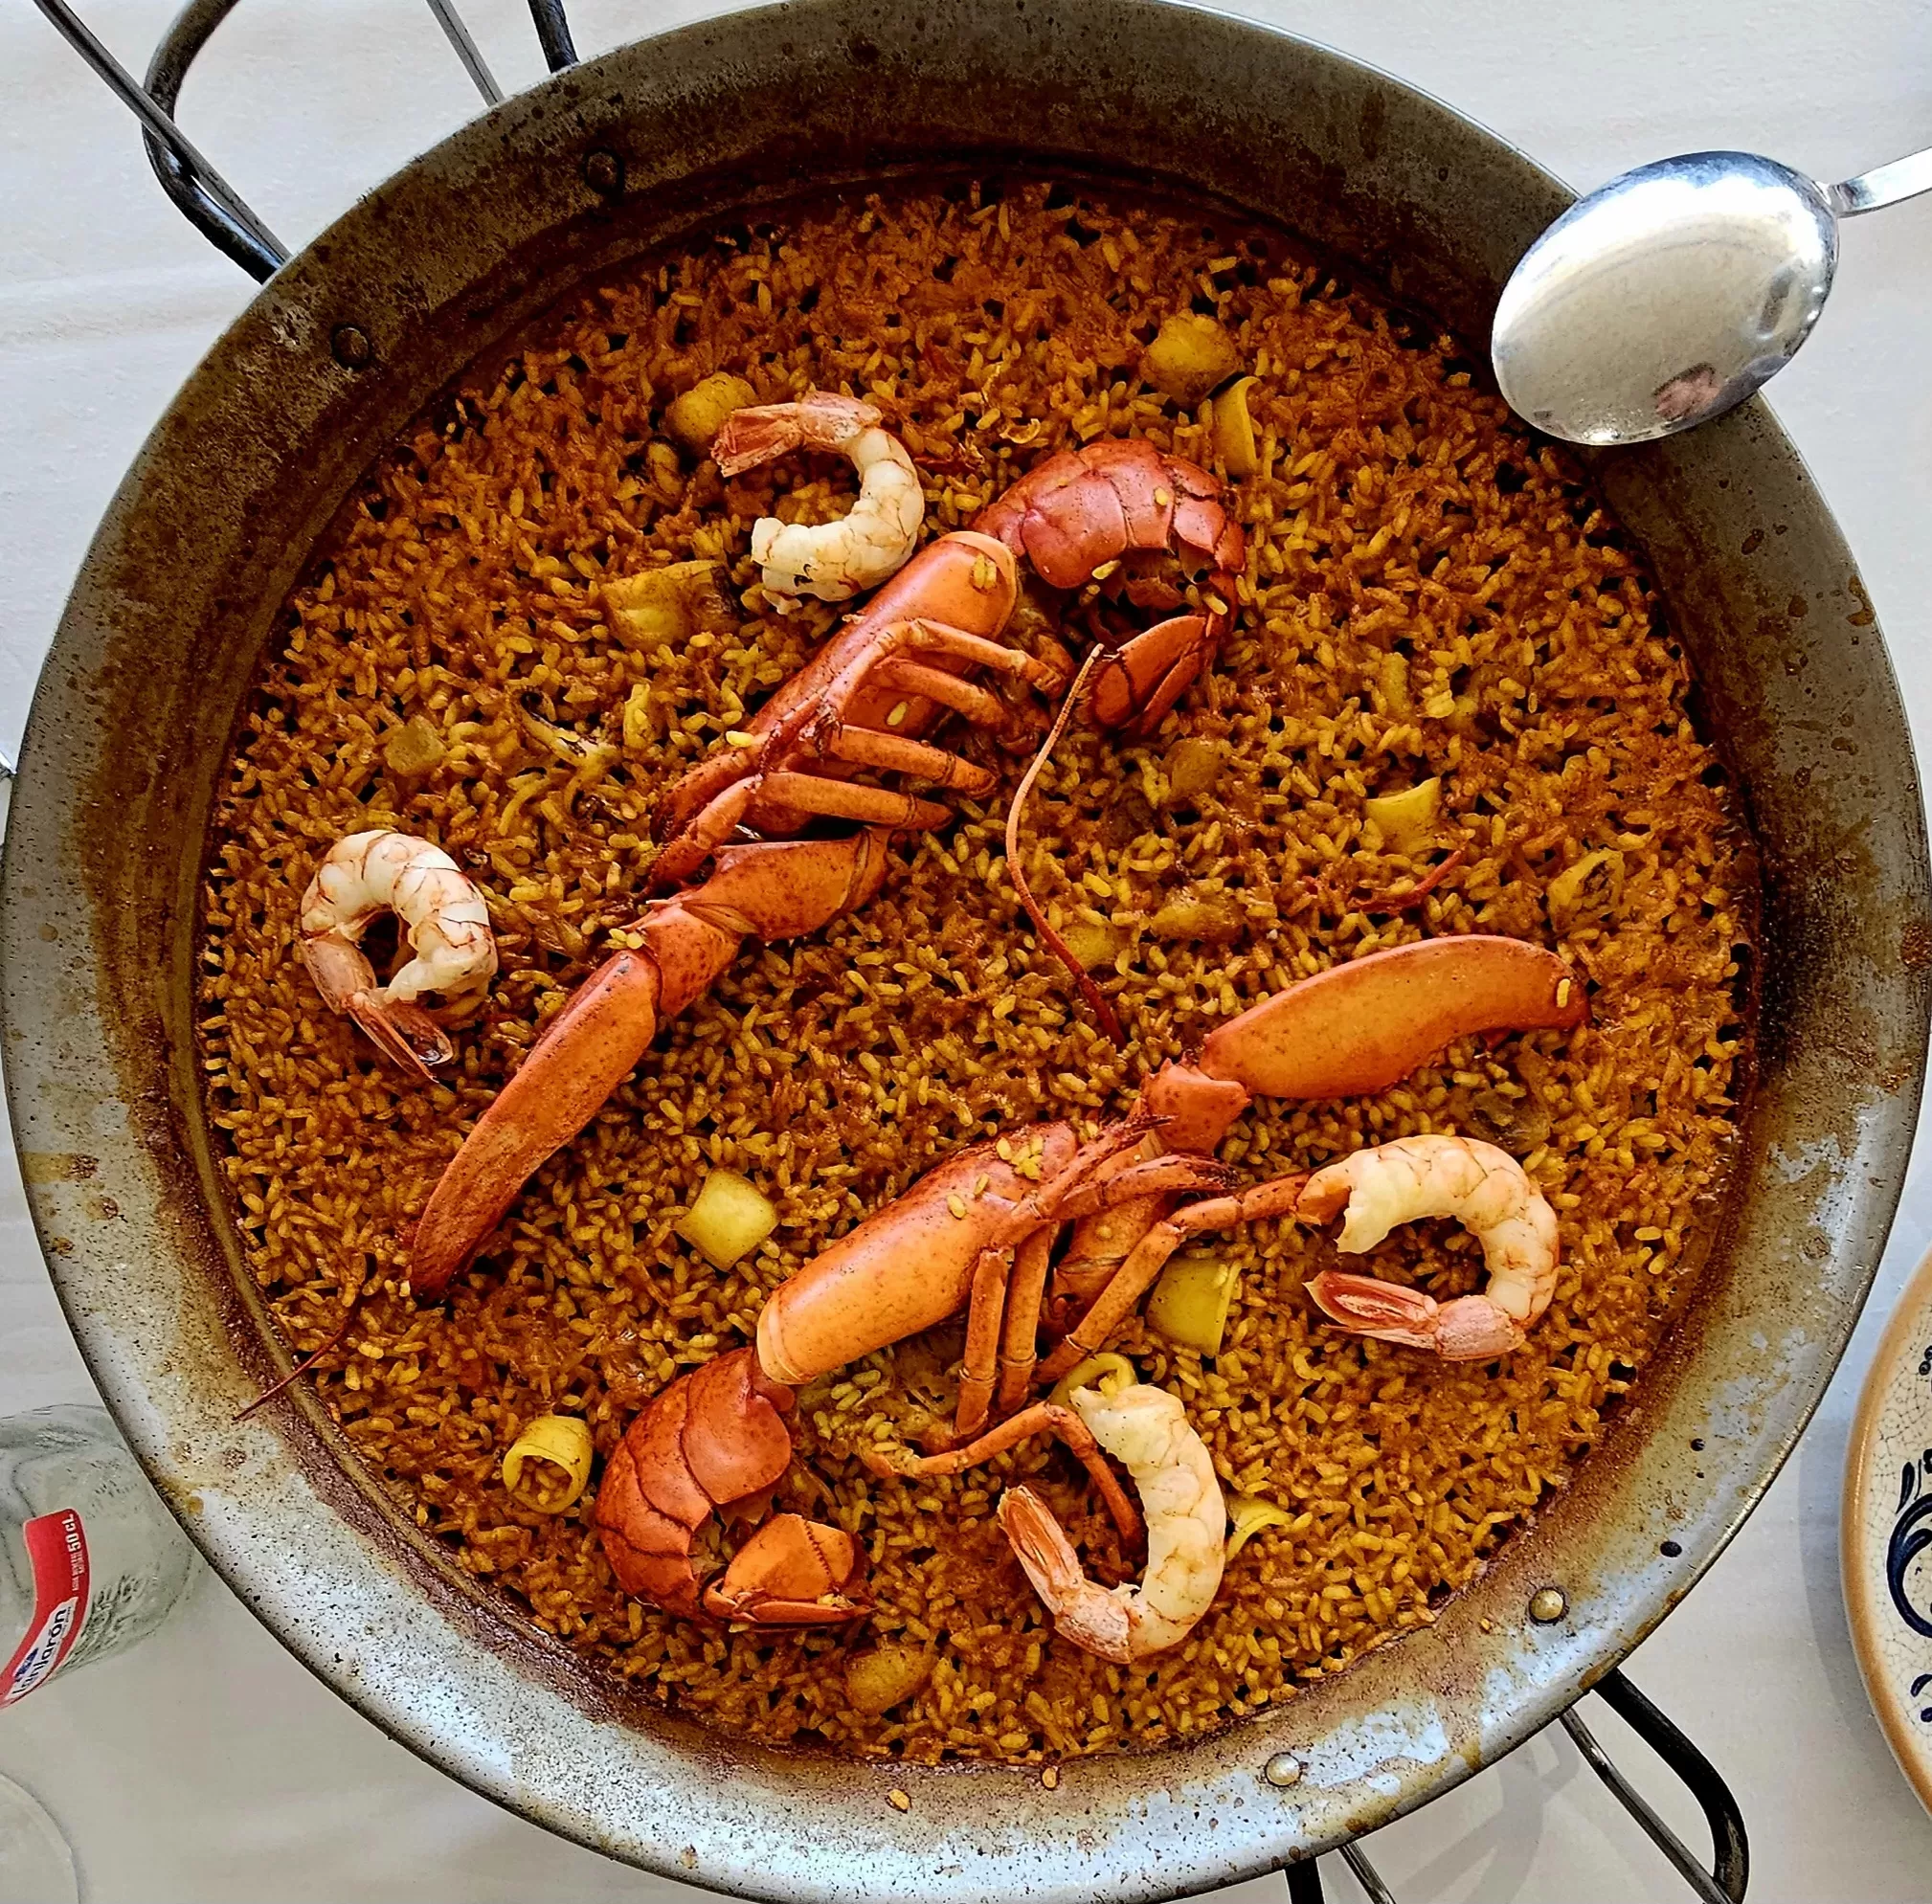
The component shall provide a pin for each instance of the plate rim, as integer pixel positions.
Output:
(1910, 1750)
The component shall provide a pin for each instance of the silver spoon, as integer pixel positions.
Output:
(1671, 294)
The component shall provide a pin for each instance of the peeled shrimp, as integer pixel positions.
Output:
(829, 560)
(1147, 1429)
(1486, 1191)
(448, 927)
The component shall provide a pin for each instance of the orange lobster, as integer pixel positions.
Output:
(892, 672)
(977, 1232)
(1106, 514)
(939, 614)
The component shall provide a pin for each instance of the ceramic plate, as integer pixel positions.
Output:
(1886, 1540)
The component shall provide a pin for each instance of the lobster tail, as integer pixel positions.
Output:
(1077, 515)
(714, 1439)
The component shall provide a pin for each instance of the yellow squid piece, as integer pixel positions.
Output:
(550, 1445)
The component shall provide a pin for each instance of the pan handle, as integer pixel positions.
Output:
(213, 217)
(200, 194)
(1731, 1855)
(553, 31)
(1731, 1852)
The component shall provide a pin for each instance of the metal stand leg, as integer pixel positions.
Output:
(1731, 1857)
(200, 194)
(1303, 1884)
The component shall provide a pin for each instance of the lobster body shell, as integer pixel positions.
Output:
(907, 1268)
(965, 580)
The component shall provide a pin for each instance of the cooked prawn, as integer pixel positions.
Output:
(448, 927)
(1148, 1430)
(1489, 1192)
(829, 560)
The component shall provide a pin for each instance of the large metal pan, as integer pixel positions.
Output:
(140, 695)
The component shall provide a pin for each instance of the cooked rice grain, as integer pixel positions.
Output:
(1427, 592)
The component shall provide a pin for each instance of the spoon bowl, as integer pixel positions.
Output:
(1665, 297)
(1673, 292)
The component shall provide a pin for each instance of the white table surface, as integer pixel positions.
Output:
(207, 1764)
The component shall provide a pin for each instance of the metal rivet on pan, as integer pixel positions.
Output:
(1548, 1603)
(1283, 1769)
(603, 171)
(350, 346)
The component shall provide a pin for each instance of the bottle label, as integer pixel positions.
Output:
(56, 1549)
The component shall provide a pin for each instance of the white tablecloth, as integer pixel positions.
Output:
(206, 1764)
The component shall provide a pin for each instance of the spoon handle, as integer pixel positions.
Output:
(1884, 185)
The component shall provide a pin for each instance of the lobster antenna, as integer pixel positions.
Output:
(314, 1355)
(1096, 999)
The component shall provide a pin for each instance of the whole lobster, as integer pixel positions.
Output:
(978, 1232)
(1098, 515)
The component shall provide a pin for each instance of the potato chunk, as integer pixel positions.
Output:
(729, 1220)
(413, 749)
(1209, 920)
(666, 607)
(1189, 355)
(1189, 1302)
(699, 415)
(1094, 946)
(1192, 767)
(1407, 817)
(877, 1681)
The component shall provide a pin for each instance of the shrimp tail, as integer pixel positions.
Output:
(820, 421)
(1470, 1328)
(1084, 1612)
(404, 1031)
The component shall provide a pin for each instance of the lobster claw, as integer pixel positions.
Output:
(1150, 672)
(792, 1572)
(1357, 1028)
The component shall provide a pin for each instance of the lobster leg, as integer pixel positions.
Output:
(979, 706)
(960, 644)
(1044, 1418)
(866, 747)
(1145, 1176)
(707, 830)
(1273, 1198)
(1004, 1314)
(848, 799)
(982, 1341)
(962, 579)
(1019, 1347)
